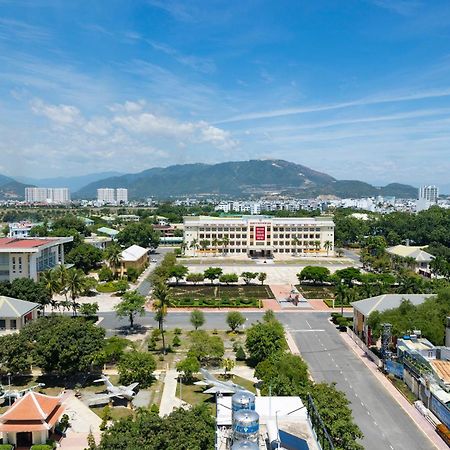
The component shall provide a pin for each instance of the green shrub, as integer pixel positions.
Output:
(132, 274)
(342, 321)
(176, 342)
(41, 447)
(105, 274)
(156, 334)
(151, 345)
(6, 447)
(240, 354)
(177, 331)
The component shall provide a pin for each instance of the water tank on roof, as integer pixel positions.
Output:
(242, 400)
(245, 445)
(245, 425)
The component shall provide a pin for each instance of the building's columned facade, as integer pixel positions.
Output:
(259, 236)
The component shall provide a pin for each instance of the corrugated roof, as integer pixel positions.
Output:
(388, 301)
(15, 308)
(133, 253)
(442, 368)
(407, 251)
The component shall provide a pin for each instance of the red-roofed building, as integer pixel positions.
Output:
(27, 257)
(31, 419)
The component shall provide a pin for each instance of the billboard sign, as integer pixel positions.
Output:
(394, 368)
(260, 233)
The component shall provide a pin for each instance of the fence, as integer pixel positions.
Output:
(366, 349)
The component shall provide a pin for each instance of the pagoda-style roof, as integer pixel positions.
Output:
(32, 412)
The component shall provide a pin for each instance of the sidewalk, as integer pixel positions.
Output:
(412, 412)
(169, 400)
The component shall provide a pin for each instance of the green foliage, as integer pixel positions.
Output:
(178, 272)
(138, 233)
(212, 273)
(228, 278)
(336, 414)
(235, 319)
(176, 341)
(188, 367)
(197, 318)
(85, 257)
(195, 277)
(15, 354)
(132, 274)
(137, 367)
(240, 354)
(283, 374)
(429, 317)
(41, 447)
(206, 348)
(348, 276)
(131, 305)
(122, 286)
(248, 276)
(177, 331)
(26, 289)
(316, 274)
(192, 429)
(6, 447)
(62, 344)
(262, 276)
(88, 309)
(113, 349)
(263, 339)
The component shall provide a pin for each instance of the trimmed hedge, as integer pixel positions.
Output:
(187, 302)
(6, 447)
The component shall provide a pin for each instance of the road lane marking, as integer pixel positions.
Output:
(308, 324)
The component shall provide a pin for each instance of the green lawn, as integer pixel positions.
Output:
(312, 292)
(404, 389)
(117, 412)
(193, 394)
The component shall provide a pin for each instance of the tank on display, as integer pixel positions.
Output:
(245, 425)
(245, 445)
(242, 400)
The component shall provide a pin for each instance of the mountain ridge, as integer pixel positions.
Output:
(241, 179)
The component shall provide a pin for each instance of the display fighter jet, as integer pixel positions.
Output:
(217, 386)
(126, 392)
(15, 394)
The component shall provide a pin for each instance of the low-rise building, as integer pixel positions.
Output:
(30, 420)
(135, 257)
(363, 308)
(100, 242)
(15, 313)
(111, 232)
(20, 229)
(420, 258)
(28, 257)
(259, 236)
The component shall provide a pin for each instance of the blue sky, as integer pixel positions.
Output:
(359, 89)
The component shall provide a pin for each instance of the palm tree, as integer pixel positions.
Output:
(215, 244)
(225, 244)
(51, 283)
(62, 274)
(342, 295)
(75, 285)
(114, 257)
(204, 244)
(194, 245)
(328, 245)
(317, 245)
(161, 301)
(295, 242)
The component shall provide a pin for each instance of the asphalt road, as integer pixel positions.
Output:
(384, 424)
(145, 287)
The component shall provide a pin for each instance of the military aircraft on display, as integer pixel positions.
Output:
(217, 386)
(15, 394)
(126, 392)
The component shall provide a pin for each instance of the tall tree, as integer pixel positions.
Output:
(76, 281)
(197, 318)
(113, 256)
(52, 284)
(132, 304)
(161, 301)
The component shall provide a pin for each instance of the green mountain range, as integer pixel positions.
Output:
(240, 179)
(11, 189)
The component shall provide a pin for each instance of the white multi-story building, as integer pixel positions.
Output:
(47, 195)
(430, 193)
(428, 196)
(106, 195)
(259, 236)
(112, 196)
(121, 195)
(28, 257)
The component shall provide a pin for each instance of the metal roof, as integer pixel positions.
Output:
(387, 301)
(15, 308)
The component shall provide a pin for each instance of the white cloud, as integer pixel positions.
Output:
(59, 114)
(128, 106)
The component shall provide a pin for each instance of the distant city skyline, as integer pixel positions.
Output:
(357, 89)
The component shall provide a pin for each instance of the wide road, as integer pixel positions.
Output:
(384, 424)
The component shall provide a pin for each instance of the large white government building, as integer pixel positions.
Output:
(259, 236)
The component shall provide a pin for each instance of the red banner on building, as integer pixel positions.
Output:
(260, 233)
